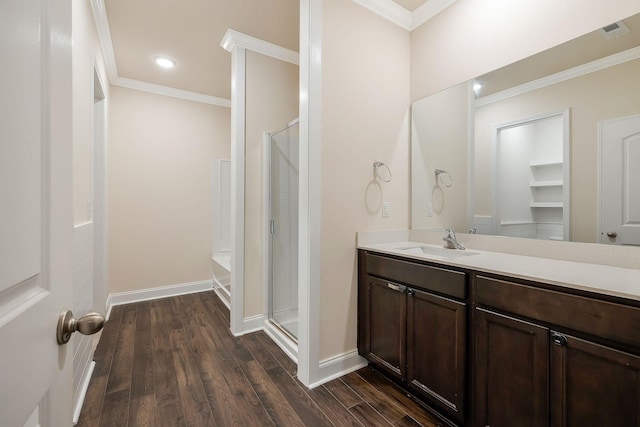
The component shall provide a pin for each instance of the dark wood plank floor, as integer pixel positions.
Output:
(173, 362)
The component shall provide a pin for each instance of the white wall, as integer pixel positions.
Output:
(365, 118)
(159, 188)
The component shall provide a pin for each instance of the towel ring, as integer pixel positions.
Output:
(376, 171)
(448, 182)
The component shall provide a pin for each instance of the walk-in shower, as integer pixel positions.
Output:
(282, 152)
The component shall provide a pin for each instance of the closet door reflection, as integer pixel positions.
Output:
(283, 286)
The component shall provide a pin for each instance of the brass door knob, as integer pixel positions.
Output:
(88, 324)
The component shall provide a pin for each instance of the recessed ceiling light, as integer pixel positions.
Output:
(165, 62)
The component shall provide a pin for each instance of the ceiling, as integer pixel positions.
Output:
(190, 32)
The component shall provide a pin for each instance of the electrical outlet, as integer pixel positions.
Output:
(429, 209)
(386, 209)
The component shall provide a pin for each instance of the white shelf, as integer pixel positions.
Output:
(546, 204)
(553, 183)
(541, 163)
(507, 223)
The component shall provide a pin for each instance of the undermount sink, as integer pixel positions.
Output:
(436, 251)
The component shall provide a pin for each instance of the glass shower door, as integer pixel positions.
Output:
(283, 292)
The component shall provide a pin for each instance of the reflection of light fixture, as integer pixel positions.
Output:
(476, 87)
(165, 62)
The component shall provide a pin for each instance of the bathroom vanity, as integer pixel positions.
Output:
(486, 341)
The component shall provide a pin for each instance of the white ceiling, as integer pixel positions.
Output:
(190, 32)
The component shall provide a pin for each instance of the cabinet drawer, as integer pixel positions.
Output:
(440, 280)
(608, 320)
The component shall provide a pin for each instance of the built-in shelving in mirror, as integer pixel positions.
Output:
(587, 82)
(531, 178)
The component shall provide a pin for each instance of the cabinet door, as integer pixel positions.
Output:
(436, 349)
(512, 372)
(387, 311)
(593, 385)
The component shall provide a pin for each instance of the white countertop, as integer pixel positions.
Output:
(603, 279)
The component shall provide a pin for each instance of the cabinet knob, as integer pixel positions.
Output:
(558, 339)
(411, 292)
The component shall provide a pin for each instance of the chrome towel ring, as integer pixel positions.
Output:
(447, 182)
(384, 177)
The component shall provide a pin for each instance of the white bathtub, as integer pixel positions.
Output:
(221, 262)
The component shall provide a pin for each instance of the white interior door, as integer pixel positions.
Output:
(36, 221)
(620, 181)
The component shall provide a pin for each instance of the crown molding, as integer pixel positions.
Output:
(402, 17)
(389, 10)
(233, 39)
(104, 37)
(581, 70)
(106, 44)
(427, 11)
(170, 91)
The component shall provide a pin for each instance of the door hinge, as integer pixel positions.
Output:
(272, 227)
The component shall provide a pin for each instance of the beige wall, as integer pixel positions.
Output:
(371, 70)
(440, 140)
(365, 118)
(592, 98)
(86, 53)
(160, 152)
(271, 103)
(473, 37)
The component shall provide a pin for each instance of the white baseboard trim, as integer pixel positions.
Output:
(337, 366)
(284, 342)
(253, 323)
(77, 405)
(120, 298)
(222, 296)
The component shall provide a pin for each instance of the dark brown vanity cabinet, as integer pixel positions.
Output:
(416, 336)
(530, 372)
(386, 320)
(436, 350)
(593, 384)
(511, 372)
(507, 351)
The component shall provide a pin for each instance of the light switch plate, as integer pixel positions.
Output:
(386, 209)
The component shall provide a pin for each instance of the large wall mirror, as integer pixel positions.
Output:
(548, 147)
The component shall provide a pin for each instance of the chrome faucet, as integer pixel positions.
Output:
(450, 241)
